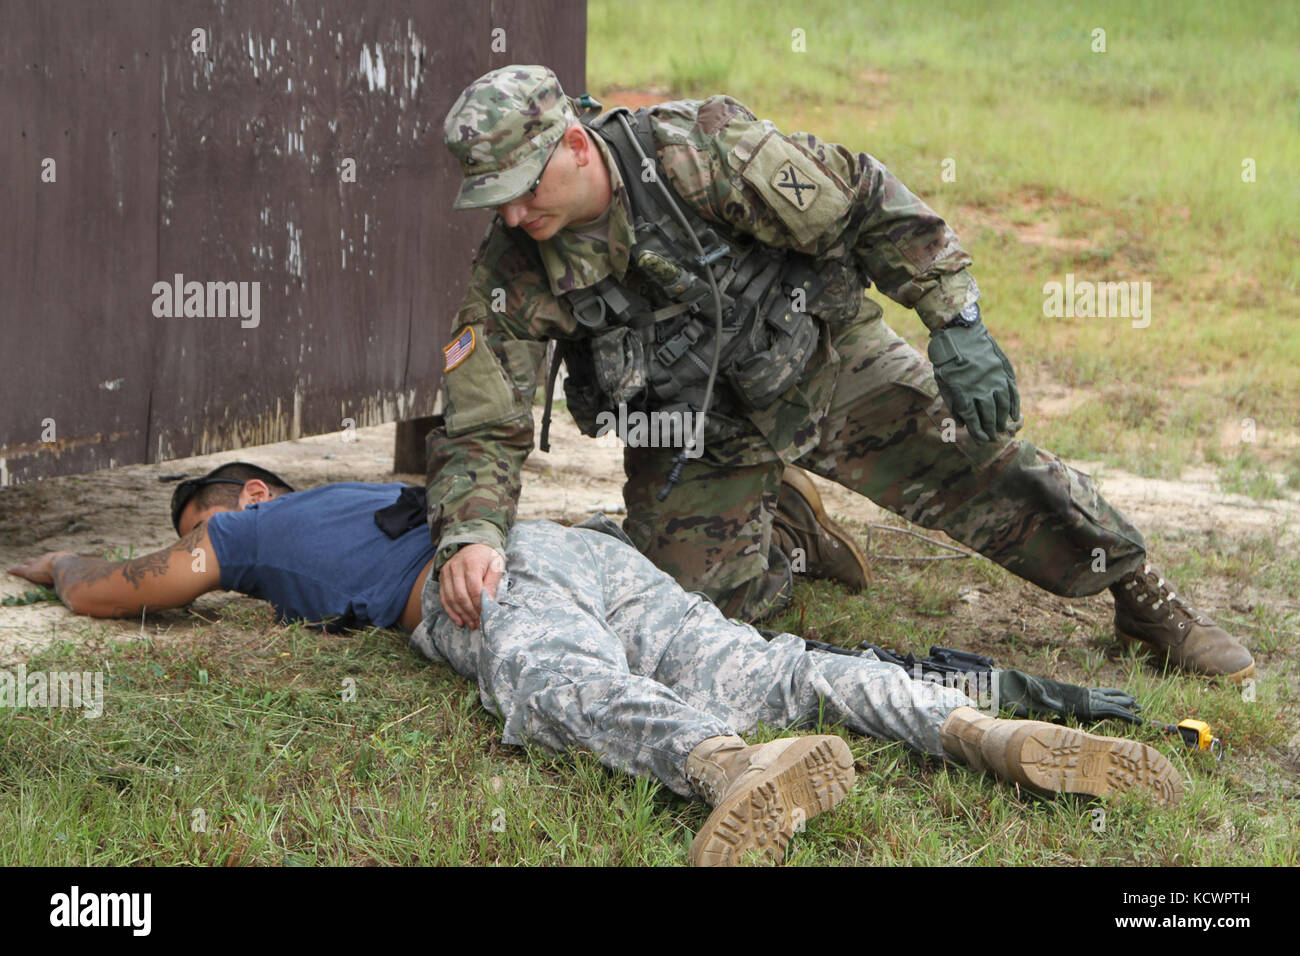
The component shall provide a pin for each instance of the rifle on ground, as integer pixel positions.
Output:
(1016, 692)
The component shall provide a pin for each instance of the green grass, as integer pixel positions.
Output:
(249, 754)
(236, 745)
(1246, 474)
(35, 595)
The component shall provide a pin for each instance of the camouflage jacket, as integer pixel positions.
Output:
(859, 223)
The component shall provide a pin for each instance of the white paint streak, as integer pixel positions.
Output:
(412, 82)
(373, 68)
(293, 263)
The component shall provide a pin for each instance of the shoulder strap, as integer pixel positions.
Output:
(556, 357)
(646, 202)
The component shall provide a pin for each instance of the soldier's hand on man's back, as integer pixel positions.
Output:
(463, 578)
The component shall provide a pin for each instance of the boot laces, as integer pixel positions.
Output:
(1142, 591)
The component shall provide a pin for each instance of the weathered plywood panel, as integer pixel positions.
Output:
(257, 137)
(78, 86)
(231, 172)
(542, 33)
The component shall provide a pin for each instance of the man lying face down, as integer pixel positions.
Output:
(583, 643)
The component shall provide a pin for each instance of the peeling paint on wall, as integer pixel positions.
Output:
(373, 68)
(234, 154)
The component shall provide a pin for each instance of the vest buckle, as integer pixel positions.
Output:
(678, 345)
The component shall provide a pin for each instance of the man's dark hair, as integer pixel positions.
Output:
(221, 487)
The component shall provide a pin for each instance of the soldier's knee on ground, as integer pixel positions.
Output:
(763, 596)
(813, 541)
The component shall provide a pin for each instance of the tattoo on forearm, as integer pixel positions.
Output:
(152, 565)
(73, 571)
(76, 570)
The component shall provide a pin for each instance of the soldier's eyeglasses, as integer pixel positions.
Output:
(532, 193)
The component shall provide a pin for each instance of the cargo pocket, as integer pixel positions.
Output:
(525, 358)
(619, 358)
(792, 339)
(841, 299)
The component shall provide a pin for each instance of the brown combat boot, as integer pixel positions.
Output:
(1055, 759)
(801, 522)
(1147, 611)
(763, 794)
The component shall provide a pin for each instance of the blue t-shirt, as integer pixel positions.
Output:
(318, 556)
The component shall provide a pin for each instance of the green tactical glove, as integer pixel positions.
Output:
(975, 379)
(1027, 696)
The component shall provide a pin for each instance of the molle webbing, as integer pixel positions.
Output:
(677, 328)
(653, 334)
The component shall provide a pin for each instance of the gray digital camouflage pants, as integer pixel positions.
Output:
(588, 645)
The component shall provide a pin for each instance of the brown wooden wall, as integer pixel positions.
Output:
(225, 167)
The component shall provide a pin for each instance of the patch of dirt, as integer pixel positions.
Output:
(123, 508)
(1043, 396)
(1042, 229)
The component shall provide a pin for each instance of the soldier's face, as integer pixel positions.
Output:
(564, 193)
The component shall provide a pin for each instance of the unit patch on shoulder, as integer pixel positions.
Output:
(459, 350)
(813, 198)
(792, 184)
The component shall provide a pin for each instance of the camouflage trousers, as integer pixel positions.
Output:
(589, 646)
(889, 436)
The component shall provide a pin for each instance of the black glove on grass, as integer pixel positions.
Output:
(1027, 696)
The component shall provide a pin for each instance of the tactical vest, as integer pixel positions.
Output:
(650, 339)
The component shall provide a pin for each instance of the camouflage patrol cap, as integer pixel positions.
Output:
(501, 130)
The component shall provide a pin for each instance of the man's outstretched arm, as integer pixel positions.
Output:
(172, 577)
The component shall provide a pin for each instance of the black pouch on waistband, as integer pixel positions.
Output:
(409, 511)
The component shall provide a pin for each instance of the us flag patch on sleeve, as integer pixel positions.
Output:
(459, 350)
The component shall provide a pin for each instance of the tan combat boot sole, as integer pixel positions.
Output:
(809, 778)
(798, 479)
(1065, 760)
(1158, 652)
